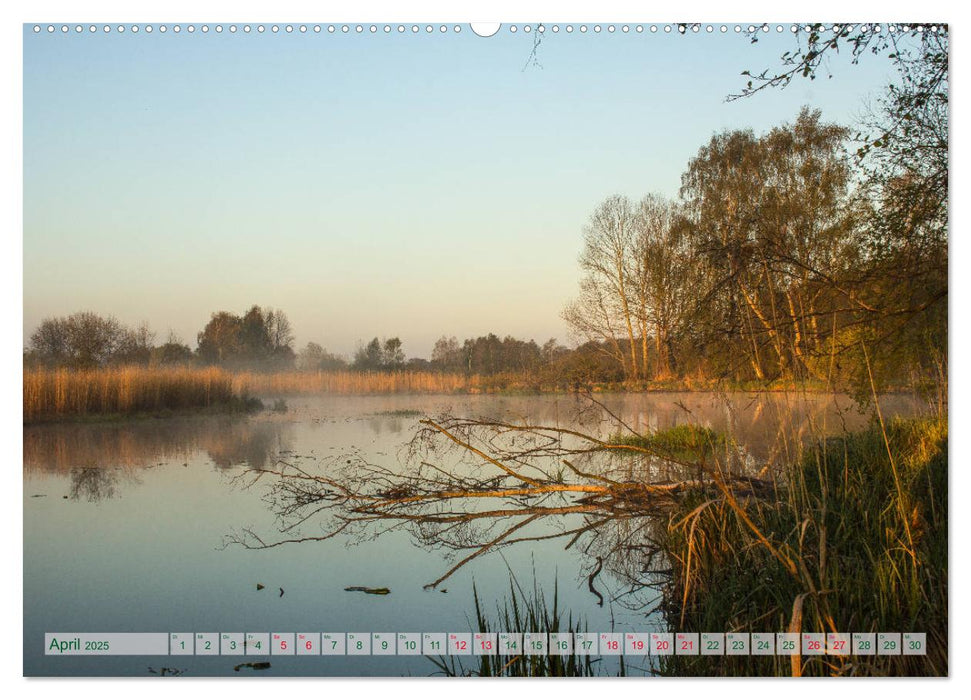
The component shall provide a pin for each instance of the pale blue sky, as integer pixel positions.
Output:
(366, 184)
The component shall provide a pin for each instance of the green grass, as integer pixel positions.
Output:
(684, 442)
(855, 542)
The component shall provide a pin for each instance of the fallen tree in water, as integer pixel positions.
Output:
(507, 479)
(851, 536)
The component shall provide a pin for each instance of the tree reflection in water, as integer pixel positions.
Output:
(93, 483)
(473, 486)
(228, 441)
(99, 458)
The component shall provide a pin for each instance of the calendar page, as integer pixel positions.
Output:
(446, 349)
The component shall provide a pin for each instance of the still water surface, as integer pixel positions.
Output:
(125, 527)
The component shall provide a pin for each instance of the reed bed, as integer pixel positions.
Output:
(62, 394)
(65, 394)
(354, 383)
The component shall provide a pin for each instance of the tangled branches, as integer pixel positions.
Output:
(475, 485)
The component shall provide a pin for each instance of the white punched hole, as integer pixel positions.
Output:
(485, 29)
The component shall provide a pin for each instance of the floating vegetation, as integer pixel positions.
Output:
(370, 591)
(683, 441)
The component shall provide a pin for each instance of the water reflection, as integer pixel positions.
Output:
(535, 471)
(474, 485)
(227, 441)
(392, 422)
(93, 484)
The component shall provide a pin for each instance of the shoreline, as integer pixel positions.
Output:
(254, 405)
(111, 394)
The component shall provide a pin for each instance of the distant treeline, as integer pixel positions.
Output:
(261, 340)
(550, 364)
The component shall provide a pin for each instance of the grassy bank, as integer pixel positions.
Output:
(855, 542)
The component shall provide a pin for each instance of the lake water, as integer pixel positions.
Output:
(126, 524)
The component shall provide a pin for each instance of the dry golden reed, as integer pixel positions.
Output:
(64, 393)
(52, 394)
(401, 382)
